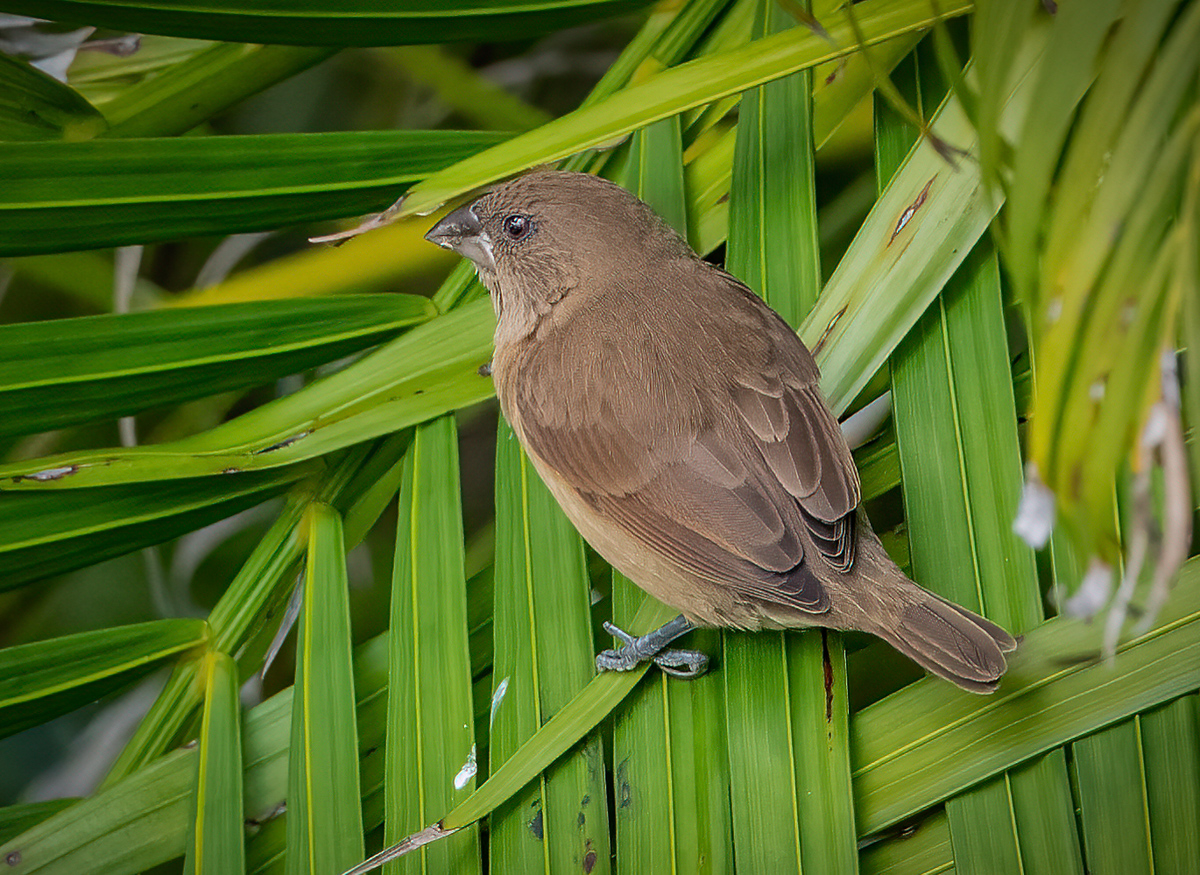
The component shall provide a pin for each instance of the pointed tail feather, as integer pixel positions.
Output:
(950, 641)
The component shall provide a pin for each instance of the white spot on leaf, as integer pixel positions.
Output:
(497, 698)
(467, 772)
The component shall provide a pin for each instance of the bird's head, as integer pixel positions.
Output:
(550, 234)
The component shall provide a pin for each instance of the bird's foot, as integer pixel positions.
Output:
(683, 664)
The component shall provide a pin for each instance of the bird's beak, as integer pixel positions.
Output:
(462, 231)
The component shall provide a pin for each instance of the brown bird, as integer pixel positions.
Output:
(678, 421)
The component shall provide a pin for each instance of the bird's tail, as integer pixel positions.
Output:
(941, 637)
(949, 641)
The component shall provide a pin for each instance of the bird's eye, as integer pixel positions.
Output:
(517, 227)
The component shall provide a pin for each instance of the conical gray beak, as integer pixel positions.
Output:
(462, 231)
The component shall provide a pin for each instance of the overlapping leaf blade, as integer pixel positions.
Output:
(329, 22)
(49, 533)
(1051, 695)
(431, 370)
(957, 437)
(42, 680)
(669, 93)
(359, 484)
(111, 192)
(36, 106)
(50, 371)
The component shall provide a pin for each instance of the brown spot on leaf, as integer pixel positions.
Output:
(911, 210)
(828, 330)
(624, 792)
(48, 475)
(283, 443)
(828, 665)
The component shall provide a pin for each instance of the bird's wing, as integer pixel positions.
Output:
(774, 388)
(802, 447)
(700, 508)
(727, 496)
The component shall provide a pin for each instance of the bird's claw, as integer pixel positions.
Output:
(683, 664)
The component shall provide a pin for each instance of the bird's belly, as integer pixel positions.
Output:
(701, 601)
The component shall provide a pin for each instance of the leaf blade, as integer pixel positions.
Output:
(325, 831)
(355, 23)
(50, 371)
(430, 723)
(41, 680)
(113, 192)
(215, 846)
